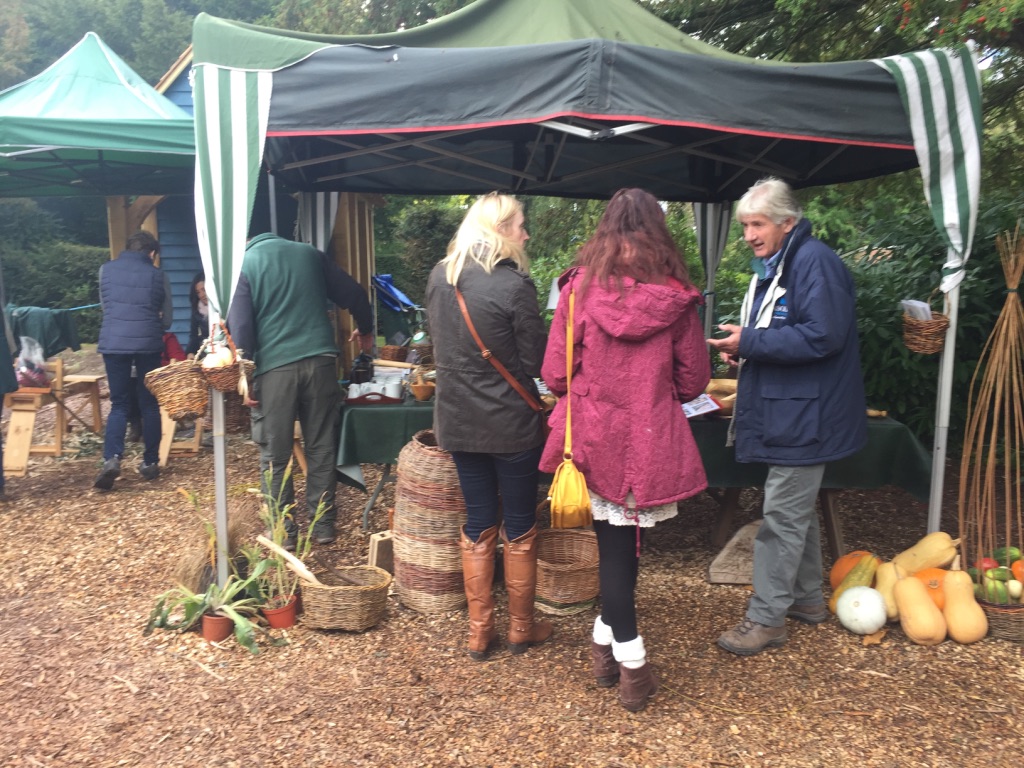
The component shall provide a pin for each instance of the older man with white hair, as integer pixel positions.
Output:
(800, 403)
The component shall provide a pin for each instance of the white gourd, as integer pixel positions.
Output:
(861, 610)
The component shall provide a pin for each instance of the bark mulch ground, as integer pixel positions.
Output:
(84, 686)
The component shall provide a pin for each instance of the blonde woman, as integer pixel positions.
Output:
(494, 436)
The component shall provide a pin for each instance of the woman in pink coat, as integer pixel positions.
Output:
(638, 354)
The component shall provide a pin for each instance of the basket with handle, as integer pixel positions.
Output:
(925, 337)
(226, 378)
(180, 389)
(567, 575)
(353, 598)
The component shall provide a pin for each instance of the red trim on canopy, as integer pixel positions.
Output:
(627, 118)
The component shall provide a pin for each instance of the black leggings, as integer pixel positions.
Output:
(618, 568)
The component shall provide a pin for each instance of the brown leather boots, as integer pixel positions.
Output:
(478, 575)
(521, 585)
(520, 582)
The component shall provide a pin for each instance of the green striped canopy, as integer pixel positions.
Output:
(604, 95)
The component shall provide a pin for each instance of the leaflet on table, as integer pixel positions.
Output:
(703, 403)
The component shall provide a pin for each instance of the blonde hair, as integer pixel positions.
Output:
(480, 238)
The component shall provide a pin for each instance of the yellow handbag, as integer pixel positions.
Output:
(568, 495)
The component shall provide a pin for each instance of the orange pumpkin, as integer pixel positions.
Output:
(1017, 568)
(933, 579)
(843, 566)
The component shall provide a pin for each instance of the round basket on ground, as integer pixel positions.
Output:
(353, 598)
(925, 337)
(1004, 621)
(567, 578)
(429, 513)
(180, 389)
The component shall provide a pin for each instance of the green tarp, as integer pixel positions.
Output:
(89, 125)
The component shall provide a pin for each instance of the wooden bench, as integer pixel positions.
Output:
(168, 445)
(26, 402)
(87, 383)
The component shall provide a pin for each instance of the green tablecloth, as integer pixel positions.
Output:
(893, 456)
(375, 434)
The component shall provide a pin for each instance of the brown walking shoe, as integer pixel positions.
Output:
(808, 613)
(750, 638)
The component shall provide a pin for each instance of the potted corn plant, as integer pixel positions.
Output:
(279, 582)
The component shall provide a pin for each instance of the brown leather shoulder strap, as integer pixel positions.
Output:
(530, 400)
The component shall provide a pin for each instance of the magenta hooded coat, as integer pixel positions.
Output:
(638, 355)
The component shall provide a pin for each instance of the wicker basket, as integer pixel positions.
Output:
(394, 353)
(334, 604)
(567, 578)
(180, 389)
(1005, 621)
(429, 513)
(237, 417)
(925, 337)
(226, 378)
(424, 353)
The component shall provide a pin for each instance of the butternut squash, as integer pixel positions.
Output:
(936, 550)
(921, 620)
(861, 575)
(965, 619)
(885, 580)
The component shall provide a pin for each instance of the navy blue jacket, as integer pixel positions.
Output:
(136, 306)
(800, 393)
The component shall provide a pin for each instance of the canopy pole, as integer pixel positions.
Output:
(220, 487)
(942, 412)
(272, 192)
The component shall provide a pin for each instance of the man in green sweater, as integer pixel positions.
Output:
(278, 317)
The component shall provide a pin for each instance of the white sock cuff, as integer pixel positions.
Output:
(602, 632)
(630, 653)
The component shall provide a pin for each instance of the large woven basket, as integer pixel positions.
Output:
(335, 604)
(180, 389)
(1005, 621)
(429, 513)
(567, 577)
(925, 337)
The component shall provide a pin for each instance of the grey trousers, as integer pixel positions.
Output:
(787, 549)
(307, 391)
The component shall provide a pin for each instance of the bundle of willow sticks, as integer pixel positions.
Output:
(990, 512)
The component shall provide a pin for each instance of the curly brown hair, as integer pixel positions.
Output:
(632, 240)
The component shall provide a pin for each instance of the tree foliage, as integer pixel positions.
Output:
(837, 30)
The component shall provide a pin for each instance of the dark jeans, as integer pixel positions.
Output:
(307, 391)
(121, 384)
(513, 477)
(618, 566)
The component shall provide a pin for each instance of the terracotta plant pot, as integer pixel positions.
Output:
(422, 391)
(217, 628)
(282, 616)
